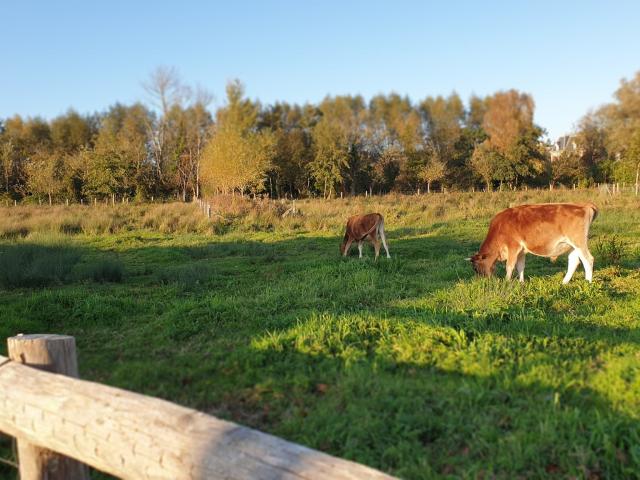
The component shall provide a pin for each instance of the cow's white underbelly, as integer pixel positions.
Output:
(561, 246)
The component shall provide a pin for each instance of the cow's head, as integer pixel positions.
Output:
(482, 264)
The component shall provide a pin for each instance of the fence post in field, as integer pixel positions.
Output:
(57, 354)
(209, 210)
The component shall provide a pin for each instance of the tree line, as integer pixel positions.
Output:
(174, 146)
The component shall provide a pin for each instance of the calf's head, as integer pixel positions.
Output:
(482, 264)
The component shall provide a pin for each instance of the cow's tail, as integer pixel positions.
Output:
(382, 235)
(375, 227)
(594, 211)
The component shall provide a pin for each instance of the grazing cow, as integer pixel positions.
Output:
(364, 227)
(547, 230)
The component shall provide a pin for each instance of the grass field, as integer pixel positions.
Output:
(410, 365)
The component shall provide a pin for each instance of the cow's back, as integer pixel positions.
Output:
(359, 226)
(538, 225)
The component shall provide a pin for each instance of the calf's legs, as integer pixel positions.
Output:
(384, 239)
(376, 246)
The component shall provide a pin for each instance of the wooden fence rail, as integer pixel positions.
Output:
(133, 436)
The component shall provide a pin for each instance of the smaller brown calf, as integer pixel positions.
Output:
(364, 227)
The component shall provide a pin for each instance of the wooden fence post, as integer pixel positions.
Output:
(57, 354)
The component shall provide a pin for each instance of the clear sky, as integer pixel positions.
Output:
(89, 54)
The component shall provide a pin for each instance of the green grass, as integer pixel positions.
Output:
(410, 365)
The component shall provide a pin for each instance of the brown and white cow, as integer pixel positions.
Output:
(547, 230)
(364, 227)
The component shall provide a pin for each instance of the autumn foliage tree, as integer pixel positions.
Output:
(238, 155)
(173, 145)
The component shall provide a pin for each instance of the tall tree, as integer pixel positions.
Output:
(395, 141)
(72, 131)
(167, 92)
(293, 147)
(45, 173)
(120, 164)
(338, 138)
(512, 148)
(591, 139)
(444, 119)
(485, 162)
(238, 155)
(7, 161)
(434, 169)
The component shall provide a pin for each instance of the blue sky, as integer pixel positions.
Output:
(87, 55)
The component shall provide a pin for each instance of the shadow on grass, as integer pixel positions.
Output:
(417, 420)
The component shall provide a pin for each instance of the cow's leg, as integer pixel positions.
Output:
(574, 261)
(347, 247)
(520, 265)
(383, 238)
(376, 245)
(512, 259)
(587, 262)
(360, 248)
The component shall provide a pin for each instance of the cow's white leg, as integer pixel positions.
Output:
(360, 248)
(384, 239)
(574, 261)
(520, 266)
(587, 262)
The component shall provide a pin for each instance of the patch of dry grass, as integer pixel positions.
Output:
(243, 214)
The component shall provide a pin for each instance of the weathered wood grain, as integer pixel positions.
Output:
(53, 353)
(137, 437)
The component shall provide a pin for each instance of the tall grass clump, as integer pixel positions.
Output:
(174, 218)
(185, 277)
(30, 265)
(609, 249)
(106, 270)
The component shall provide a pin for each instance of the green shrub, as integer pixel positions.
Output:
(610, 249)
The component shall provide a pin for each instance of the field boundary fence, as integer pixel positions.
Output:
(63, 424)
(610, 188)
